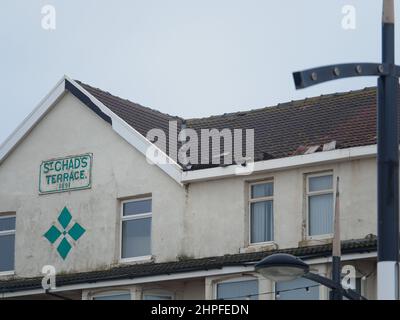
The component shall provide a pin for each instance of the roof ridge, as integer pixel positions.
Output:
(285, 104)
(298, 102)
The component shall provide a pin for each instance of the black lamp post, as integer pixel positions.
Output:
(285, 267)
(388, 146)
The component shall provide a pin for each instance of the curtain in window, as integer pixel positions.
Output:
(239, 290)
(262, 221)
(136, 238)
(320, 214)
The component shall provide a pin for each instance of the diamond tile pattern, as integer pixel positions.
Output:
(65, 217)
(52, 234)
(75, 232)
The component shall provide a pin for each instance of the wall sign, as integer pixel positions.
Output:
(66, 174)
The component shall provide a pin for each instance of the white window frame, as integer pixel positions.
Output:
(316, 193)
(236, 279)
(7, 233)
(110, 294)
(135, 217)
(261, 199)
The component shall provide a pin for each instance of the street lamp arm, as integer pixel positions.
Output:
(350, 294)
(321, 280)
(311, 77)
(387, 145)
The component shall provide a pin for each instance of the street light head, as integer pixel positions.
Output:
(282, 267)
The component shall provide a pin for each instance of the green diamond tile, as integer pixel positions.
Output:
(52, 234)
(63, 248)
(65, 217)
(76, 231)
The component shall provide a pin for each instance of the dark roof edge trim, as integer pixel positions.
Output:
(86, 101)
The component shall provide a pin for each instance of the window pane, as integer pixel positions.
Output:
(120, 296)
(7, 245)
(137, 207)
(299, 294)
(7, 223)
(262, 224)
(240, 290)
(156, 297)
(321, 183)
(320, 214)
(136, 238)
(262, 190)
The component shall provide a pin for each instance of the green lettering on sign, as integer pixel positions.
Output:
(66, 174)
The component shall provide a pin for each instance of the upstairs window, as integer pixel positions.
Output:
(7, 243)
(320, 204)
(261, 212)
(136, 229)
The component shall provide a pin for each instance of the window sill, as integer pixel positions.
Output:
(316, 240)
(257, 247)
(7, 273)
(136, 259)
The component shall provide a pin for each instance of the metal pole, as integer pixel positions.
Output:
(336, 249)
(388, 165)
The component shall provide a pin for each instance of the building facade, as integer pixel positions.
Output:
(78, 194)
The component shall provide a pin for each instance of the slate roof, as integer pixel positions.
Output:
(167, 268)
(280, 131)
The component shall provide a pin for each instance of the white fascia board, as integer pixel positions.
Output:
(32, 119)
(283, 163)
(139, 280)
(176, 276)
(345, 257)
(134, 138)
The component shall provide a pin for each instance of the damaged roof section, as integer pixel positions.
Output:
(319, 124)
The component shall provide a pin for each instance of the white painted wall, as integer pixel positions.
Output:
(119, 171)
(217, 219)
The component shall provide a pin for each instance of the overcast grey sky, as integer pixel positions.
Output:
(189, 58)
